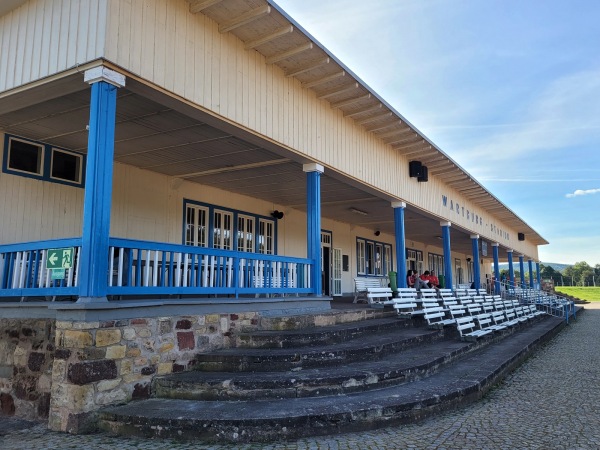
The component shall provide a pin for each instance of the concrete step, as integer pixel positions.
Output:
(366, 347)
(322, 335)
(464, 381)
(393, 369)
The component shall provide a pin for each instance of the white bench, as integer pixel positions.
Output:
(467, 329)
(378, 297)
(360, 287)
(406, 304)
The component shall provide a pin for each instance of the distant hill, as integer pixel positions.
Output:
(556, 266)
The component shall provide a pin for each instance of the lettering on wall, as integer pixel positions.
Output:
(476, 219)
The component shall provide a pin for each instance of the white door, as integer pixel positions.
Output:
(337, 272)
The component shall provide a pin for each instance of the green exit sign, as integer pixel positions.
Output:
(60, 258)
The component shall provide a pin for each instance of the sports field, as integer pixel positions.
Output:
(591, 294)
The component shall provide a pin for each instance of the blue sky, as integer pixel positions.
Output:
(509, 89)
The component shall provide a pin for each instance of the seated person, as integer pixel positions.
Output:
(411, 278)
(422, 282)
(434, 281)
(426, 278)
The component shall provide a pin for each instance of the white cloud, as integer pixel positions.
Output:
(580, 192)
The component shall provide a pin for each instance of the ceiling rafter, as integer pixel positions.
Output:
(325, 79)
(338, 90)
(364, 110)
(396, 133)
(244, 19)
(349, 101)
(289, 53)
(374, 118)
(249, 45)
(402, 140)
(307, 67)
(200, 5)
(400, 148)
(394, 121)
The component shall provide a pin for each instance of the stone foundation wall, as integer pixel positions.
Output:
(26, 356)
(105, 363)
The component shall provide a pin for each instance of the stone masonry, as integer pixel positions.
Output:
(105, 363)
(26, 355)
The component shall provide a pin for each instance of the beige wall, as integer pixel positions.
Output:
(44, 37)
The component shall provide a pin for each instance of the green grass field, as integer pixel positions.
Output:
(591, 294)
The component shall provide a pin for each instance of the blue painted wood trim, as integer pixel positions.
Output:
(39, 245)
(539, 275)
(476, 263)
(530, 263)
(522, 268)
(399, 232)
(448, 284)
(98, 192)
(511, 270)
(496, 251)
(313, 226)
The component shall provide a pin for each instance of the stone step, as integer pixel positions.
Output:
(393, 369)
(459, 383)
(366, 347)
(322, 335)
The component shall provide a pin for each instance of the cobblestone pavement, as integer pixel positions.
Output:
(551, 402)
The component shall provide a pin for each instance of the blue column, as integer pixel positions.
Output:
(93, 272)
(539, 275)
(522, 269)
(447, 255)
(530, 273)
(400, 243)
(495, 247)
(313, 222)
(476, 263)
(511, 269)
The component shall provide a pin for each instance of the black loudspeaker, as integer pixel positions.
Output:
(521, 236)
(424, 174)
(414, 168)
(277, 214)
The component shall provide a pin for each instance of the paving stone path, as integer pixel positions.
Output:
(551, 402)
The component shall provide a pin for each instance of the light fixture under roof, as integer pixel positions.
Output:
(359, 211)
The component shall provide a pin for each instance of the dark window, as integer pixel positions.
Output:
(66, 166)
(25, 157)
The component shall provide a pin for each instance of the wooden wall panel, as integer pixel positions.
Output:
(44, 37)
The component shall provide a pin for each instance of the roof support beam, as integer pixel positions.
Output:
(374, 118)
(269, 37)
(288, 54)
(200, 5)
(399, 141)
(338, 90)
(349, 101)
(308, 67)
(364, 109)
(244, 19)
(385, 125)
(326, 79)
(396, 133)
(405, 149)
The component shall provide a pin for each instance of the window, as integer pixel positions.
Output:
(266, 237)
(196, 226)
(213, 226)
(414, 260)
(458, 272)
(470, 270)
(373, 258)
(66, 166)
(436, 263)
(38, 160)
(360, 256)
(25, 157)
(222, 229)
(245, 234)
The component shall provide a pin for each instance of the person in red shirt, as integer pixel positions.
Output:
(433, 280)
(411, 278)
(426, 278)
